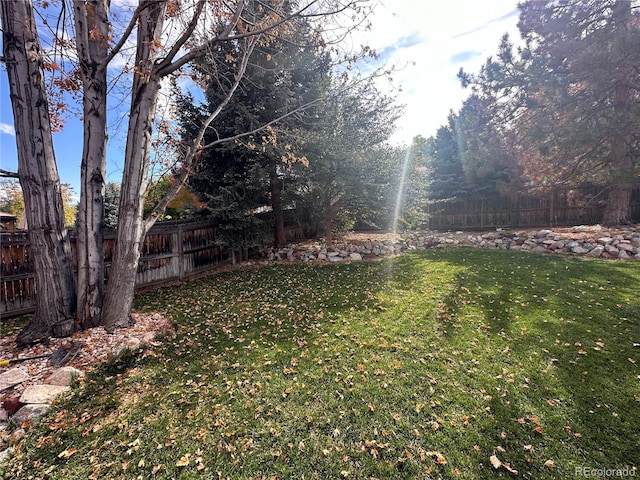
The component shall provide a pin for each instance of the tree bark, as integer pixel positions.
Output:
(50, 248)
(131, 227)
(275, 186)
(92, 32)
(618, 208)
(328, 218)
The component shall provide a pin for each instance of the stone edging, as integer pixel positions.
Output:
(589, 241)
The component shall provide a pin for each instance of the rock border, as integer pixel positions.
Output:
(593, 241)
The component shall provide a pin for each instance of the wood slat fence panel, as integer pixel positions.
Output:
(170, 252)
(560, 208)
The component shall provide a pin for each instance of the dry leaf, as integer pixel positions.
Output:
(67, 453)
(496, 463)
(508, 468)
(549, 464)
(183, 462)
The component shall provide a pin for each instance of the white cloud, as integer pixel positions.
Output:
(432, 41)
(8, 129)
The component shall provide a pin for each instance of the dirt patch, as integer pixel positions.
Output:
(97, 346)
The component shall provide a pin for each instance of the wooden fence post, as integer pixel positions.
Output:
(181, 258)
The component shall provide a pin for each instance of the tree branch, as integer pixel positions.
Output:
(8, 174)
(168, 68)
(186, 34)
(195, 148)
(125, 36)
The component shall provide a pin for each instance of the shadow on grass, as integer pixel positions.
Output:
(420, 366)
(574, 323)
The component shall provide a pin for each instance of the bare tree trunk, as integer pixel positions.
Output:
(328, 218)
(275, 185)
(617, 210)
(131, 227)
(50, 249)
(92, 16)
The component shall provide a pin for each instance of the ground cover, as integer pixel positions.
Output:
(461, 363)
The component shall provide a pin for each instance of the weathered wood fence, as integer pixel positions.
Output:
(174, 251)
(559, 208)
(171, 251)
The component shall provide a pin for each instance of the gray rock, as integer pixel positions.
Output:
(12, 377)
(611, 249)
(65, 376)
(355, 256)
(31, 412)
(627, 247)
(579, 250)
(544, 233)
(42, 393)
(5, 454)
(596, 252)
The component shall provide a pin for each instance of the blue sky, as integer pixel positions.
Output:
(430, 41)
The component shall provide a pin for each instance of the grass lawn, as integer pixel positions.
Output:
(428, 365)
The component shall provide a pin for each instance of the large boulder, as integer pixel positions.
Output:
(42, 393)
(64, 376)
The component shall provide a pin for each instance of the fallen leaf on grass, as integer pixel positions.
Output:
(549, 464)
(67, 453)
(497, 463)
(438, 457)
(183, 462)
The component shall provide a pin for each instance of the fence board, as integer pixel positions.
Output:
(559, 208)
(170, 252)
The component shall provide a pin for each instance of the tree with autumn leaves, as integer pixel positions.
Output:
(167, 36)
(566, 103)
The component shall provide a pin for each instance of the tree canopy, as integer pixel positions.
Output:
(91, 57)
(560, 109)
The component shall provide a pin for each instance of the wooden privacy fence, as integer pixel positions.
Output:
(560, 208)
(172, 251)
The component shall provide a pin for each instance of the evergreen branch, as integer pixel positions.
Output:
(194, 151)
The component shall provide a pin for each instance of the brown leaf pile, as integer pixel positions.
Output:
(98, 346)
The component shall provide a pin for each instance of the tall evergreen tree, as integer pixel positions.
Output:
(286, 75)
(571, 95)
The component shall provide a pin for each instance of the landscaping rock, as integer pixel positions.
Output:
(5, 454)
(64, 376)
(42, 393)
(592, 241)
(596, 252)
(31, 413)
(12, 377)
